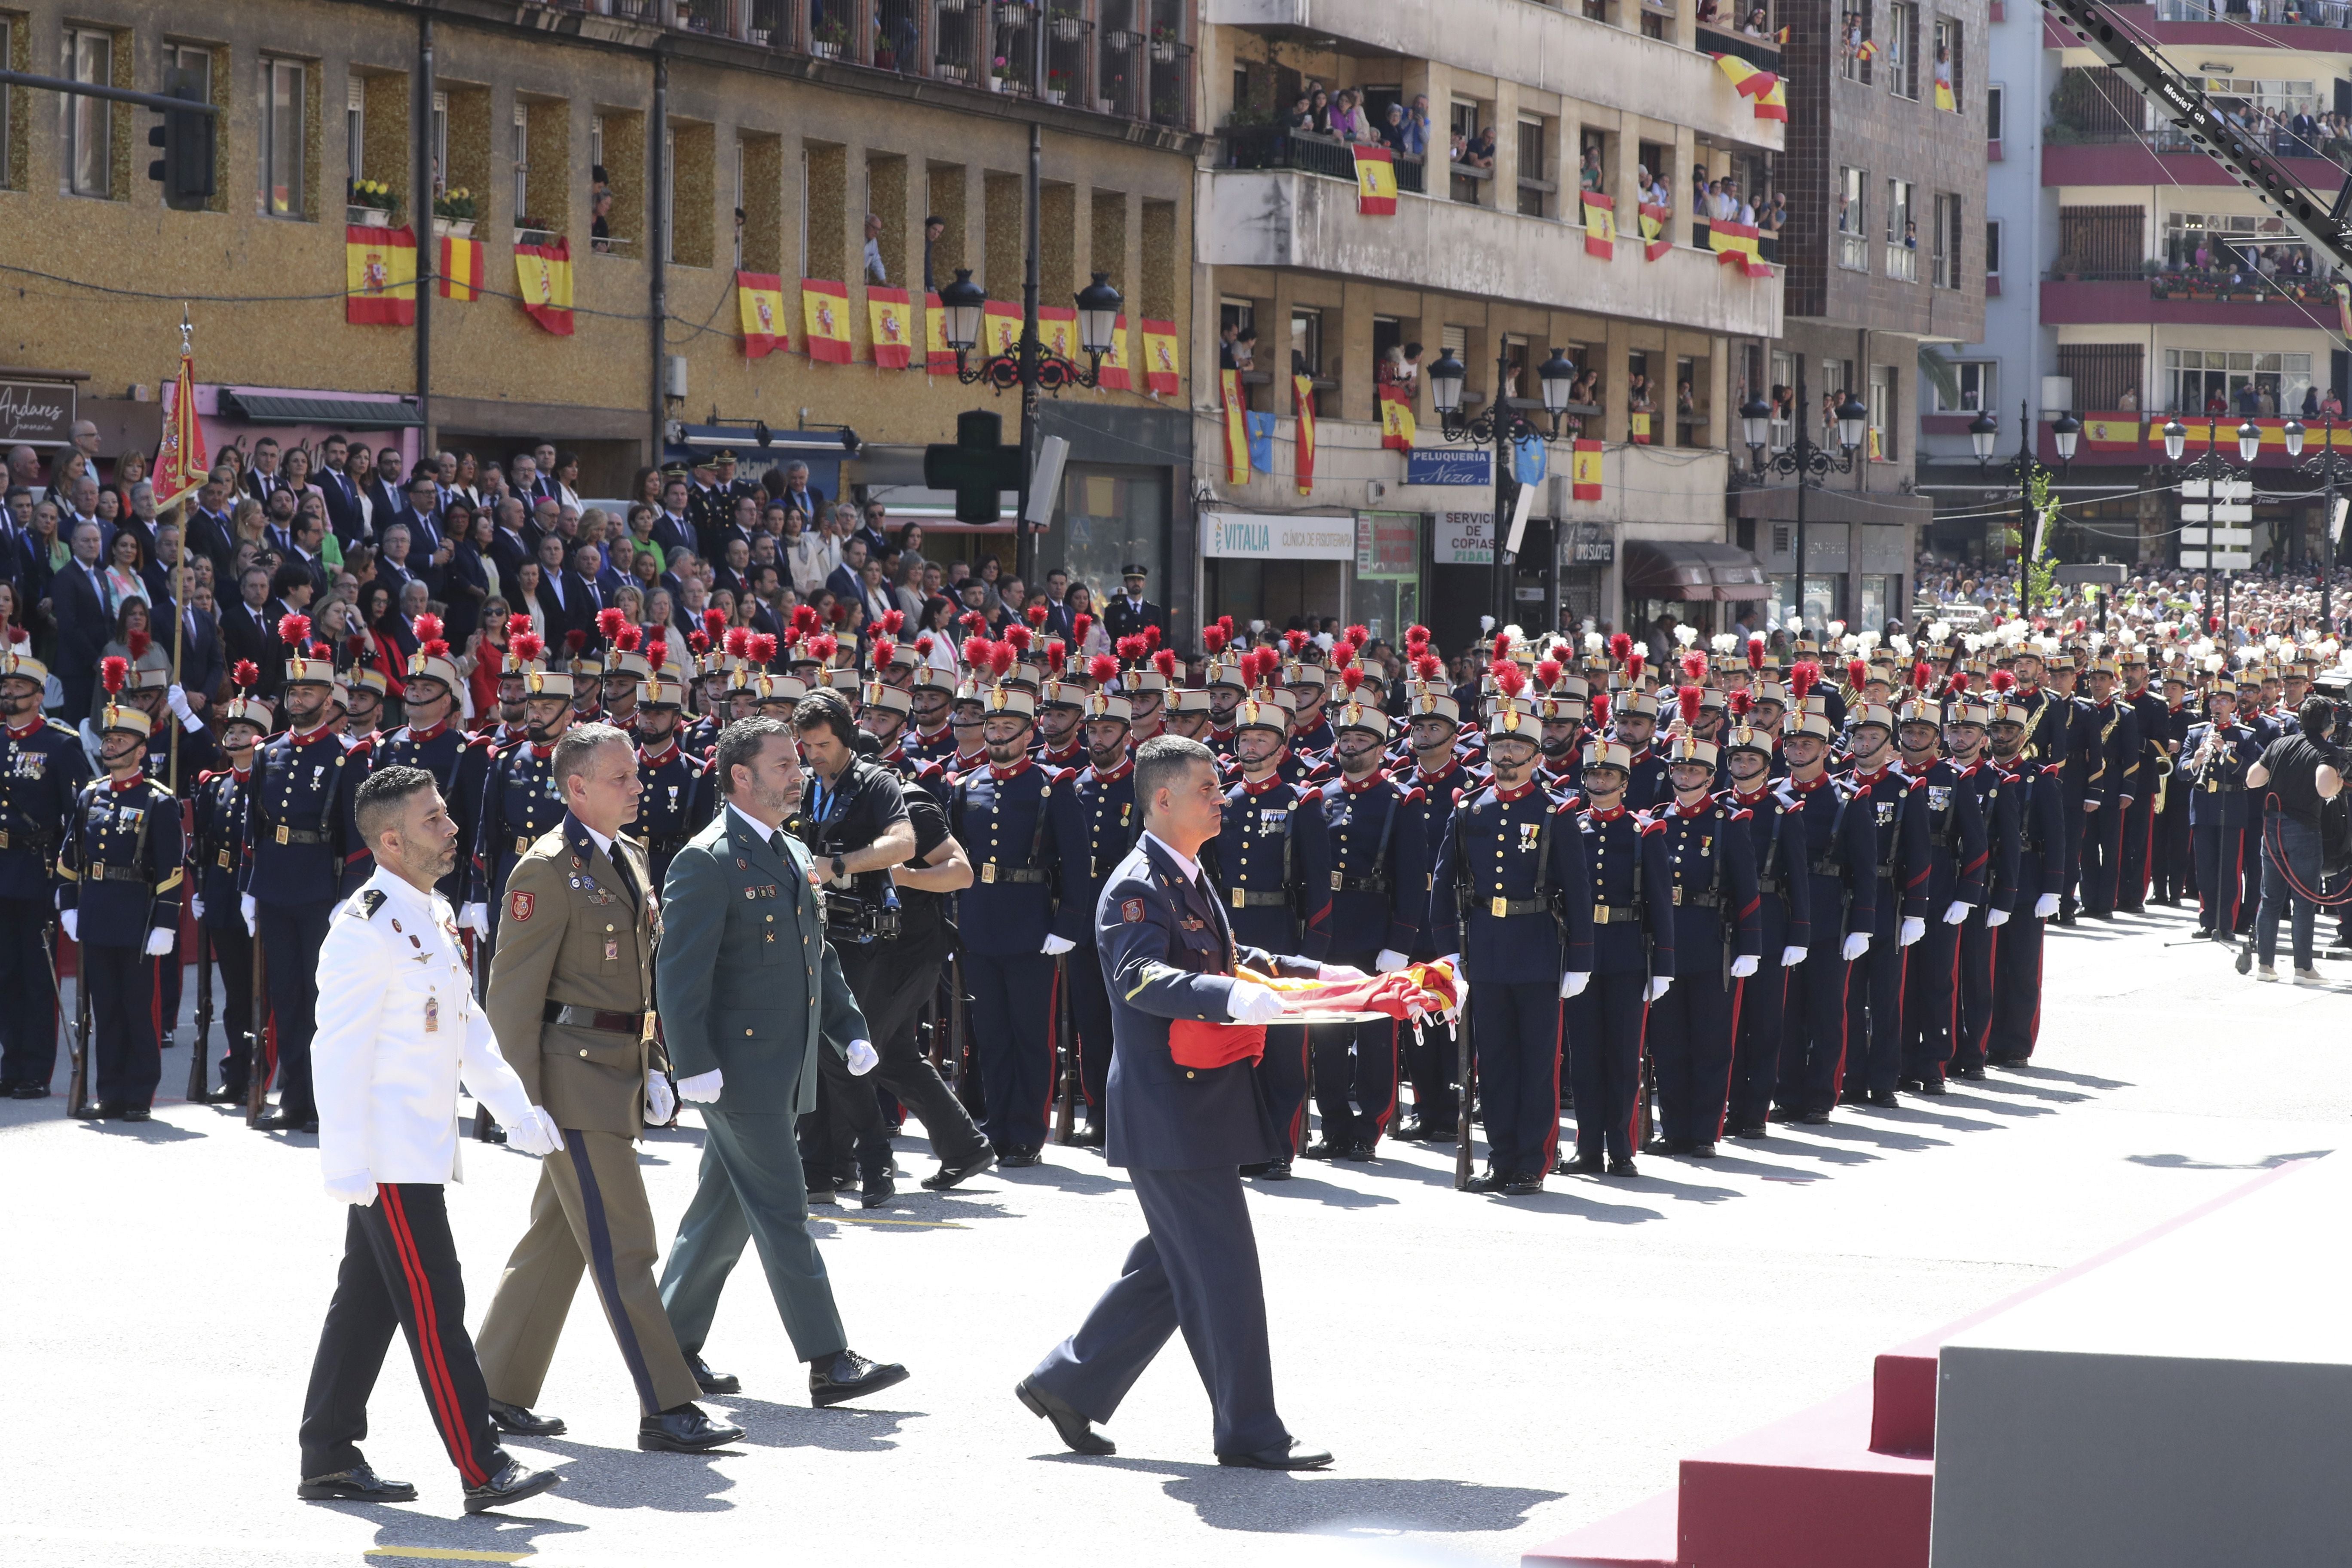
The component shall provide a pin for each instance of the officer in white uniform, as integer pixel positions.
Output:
(398, 1027)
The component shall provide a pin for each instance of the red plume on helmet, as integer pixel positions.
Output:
(1690, 698)
(1921, 674)
(2080, 622)
(1213, 640)
(610, 622)
(629, 638)
(1548, 672)
(1102, 669)
(1739, 702)
(1018, 637)
(1351, 678)
(763, 648)
(1164, 661)
(111, 672)
(574, 641)
(527, 647)
(1132, 649)
(1621, 644)
(883, 647)
(656, 655)
(840, 616)
(2212, 624)
(820, 648)
(739, 642)
(1509, 679)
(294, 630)
(1295, 640)
(1756, 652)
(972, 621)
(1428, 665)
(1343, 653)
(1695, 668)
(1856, 672)
(1001, 659)
(805, 618)
(923, 644)
(1057, 654)
(1258, 664)
(1359, 634)
(892, 621)
(1151, 635)
(427, 627)
(246, 674)
(356, 645)
(138, 643)
(1502, 645)
(1036, 614)
(975, 651)
(1804, 678)
(1225, 624)
(698, 643)
(2003, 683)
(1957, 683)
(1080, 624)
(714, 623)
(1634, 664)
(1416, 636)
(1598, 710)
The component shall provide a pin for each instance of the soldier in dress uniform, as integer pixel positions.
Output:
(1432, 774)
(1112, 822)
(222, 798)
(1187, 713)
(678, 800)
(1308, 684)
(1379, 896)
(1227, 687)
(1965, 727)
(1018, 821)
(2111, 784)
(1776, 831)
(363, 707)
(1717, 916)
(2037, 804)
(2170, 864)
(2153, 719)
(121, 866)
(1636, 725)
(1882, 792)
(1511, 905)
(1559, 704)
(431, 739)
(2214, 761)
(519, 801)
(1062, 723)
(1273, 863)
(1841, 856)
(625, 668)
(295, 857)
(1940, 876)
(42, 770)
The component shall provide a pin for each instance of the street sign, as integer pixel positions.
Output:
(2195, 536)
(2217, 560)
(2219, 538)
(1437, 465)
(2196, 511)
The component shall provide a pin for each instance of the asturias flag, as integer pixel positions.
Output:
(1376, 185)
(543, 278)
(379, 275)
(887, 321)
(825, 321)
(759, 297)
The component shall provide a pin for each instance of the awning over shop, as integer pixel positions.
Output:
(1690, 570)
(344, 413)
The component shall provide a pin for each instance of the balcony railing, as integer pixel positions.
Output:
(1091, 61)
(1902, 261)
(2262, 13)
(1273, 147)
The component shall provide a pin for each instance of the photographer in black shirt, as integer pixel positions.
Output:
(2296, 777)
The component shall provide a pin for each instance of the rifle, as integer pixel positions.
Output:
(260, 1064)
(199, 1078)
(49, 951)
(78, 1082)
(1066, 1043)
(1468, 1070)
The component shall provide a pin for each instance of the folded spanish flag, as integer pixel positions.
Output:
(1413, 992)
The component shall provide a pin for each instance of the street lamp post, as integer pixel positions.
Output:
(2217, 470)
(1810, 463)
(1503, 428)
(1982, 431)
(2330, 466)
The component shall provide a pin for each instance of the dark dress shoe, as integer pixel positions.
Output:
(30, 1092)
(1623, 1168)
(1276, 1170)
(1077, 1434)
(1088, 1137)
(876, 1192)
(1751, 1131)
(508, 1486)
(1973, 1074)
(2007, 1059)
(1816, 1118)
(1021, 1159)
(224, 1095)
(846, 1375)
(1931, 1085)
(1361, 1153)
(1290, 1456)
(1321, 1148)
(358, 1483)
(280, 1121)
(1408, 1130)
(1523, 1187)
(96, 1111)
(823, 1194)
(136, 1113)
(1667, 1146)
(712, 1382)
(1702, 1151)
(1488, 1181)
(1259, 1169)
(1586, 1166)
(517, 1422)
(947, 1176)
(1783, 1114)
(684, 1429)
(1884, 1098)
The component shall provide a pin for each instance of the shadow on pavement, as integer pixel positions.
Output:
(2184, 1162)
(844, 1429)
(626, 1479)
(1282, 1502)
(1324, 1192)
(2059, 1075)
(470, 1532)
(1560, 1197)
(1875, 1130)
(1736, 1166)
(144, 1131)
(1994, 1083)
(1069, 1178)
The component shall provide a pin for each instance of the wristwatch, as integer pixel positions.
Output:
(837, 871)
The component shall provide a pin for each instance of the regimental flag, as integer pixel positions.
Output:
(825, 321)
(462, 262)
(544, 279)
(1113, 376)
(1655, 241)
(1760, 86)
(1000, 329)
(1397, 429)
(2111, 432)
(889, 321)
(1600, 226)
(1303, 388)
(181, 464)
(1057, 330)
(1641, 426)
(379, 275)
(1237, 452)
(1376, 185)
(1585, 470)
(938, 358)
(760, 299)
(1161, 364)
(1944, 98)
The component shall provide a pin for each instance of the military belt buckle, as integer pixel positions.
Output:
(1501, 908)
(223, 857)
(1600, 914)
(4, 838)
(646, 1035)
(522, 842)
(1338, 879)
(988, 872)
(1678, 895)
(282, 836)
(1241, 898)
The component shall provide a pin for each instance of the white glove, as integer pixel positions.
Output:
(2090, 805)
(476, 917)
(252, 913)
(178, 699)
(1743, 966)
(2045, 906)
(196, 905)
(1657, 987)
(1573, 983)
(1390, 961)
(659, 1102)
(354, 1189)
(1956, 913)
(1911, 930)
(1338, 975)
(1792, 956)
(1856, 945)
(1996, 918)
(536, 1134)
(1056, 945)
(1251, 1003)
(702, 1087)
(71, 920)
(159, 942)
(862, 1058)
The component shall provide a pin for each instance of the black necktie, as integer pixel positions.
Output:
(629, 882)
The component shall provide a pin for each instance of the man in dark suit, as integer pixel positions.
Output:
(845, 579)
(249, 631)
(673, 529)
(383, 485)
(1184, 1115)
(510, 546)
(799, 492)
(423, 505)
(582, 596)
(556, 596)
(210, 531)
(261, 478)
(344, 512)
(78, 601)
(1127, 613)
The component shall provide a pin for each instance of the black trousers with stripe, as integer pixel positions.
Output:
(400, 1272)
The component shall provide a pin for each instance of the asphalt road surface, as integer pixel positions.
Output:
(1490, 1373)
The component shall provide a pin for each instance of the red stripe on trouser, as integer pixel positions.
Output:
(1845, 994)
(1640, 1046)
(1983, 1038)
(1731, 1068)
(447, 1413)
(2148, 855)
(1053, 1064)
(155, 995)
(1551, 1141)
(1307, 1078)
(1952, 1032)
(2237, 878)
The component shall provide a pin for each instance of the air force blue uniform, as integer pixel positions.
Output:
(42, 769)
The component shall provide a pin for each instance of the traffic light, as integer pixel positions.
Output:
(187, 138)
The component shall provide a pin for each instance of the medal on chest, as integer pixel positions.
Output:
(433, 1014)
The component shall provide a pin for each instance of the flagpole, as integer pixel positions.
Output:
(179, 576)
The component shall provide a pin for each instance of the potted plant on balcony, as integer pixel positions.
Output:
(454, 213)
(1108, 104)
(529, 230)
(826, 42)
(1163, 45)
(371, 204)
(1000, 75)
(1057, 86)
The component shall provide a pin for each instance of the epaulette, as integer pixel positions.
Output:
(61, 729)
(1412, 795)
(1569, 803)
(1652, 825)
(486, 741)
(206, 776)
(1459, 792)
(371, 900)
(1741, 814)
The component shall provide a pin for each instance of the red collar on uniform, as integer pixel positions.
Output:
(1871, 775)
(1260, 786)
(1422, 775)
(1377, 777)
(1074, 749)
(434, 733)
(897, 753)
(1701, 810)
(1807, 786)
(543, 753)
(1609, 815)
(138, 777)
(1015, 772)
(931, 737)
(31, 729)
(971, 760)
(1507, 796)
(662, 753)
(1642, 756)
(1744, 798)
(310, 737)
(1220, 732)
(240, 774)
(1113, 775)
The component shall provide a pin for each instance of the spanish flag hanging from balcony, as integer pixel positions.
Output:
(1057, 330)
(1639, 426)
(1303, 389)
(379, 275)
(825, 321)
(1655, 241)
(760, 299)
(1735, 246)
(1944, 98)
(938, 358)
(1772, 101)
(887, 322)
(461, 268)
(1376, 185)
(1237, 453)
(1397, 428)
(1112, 376)
(2112, 432)
(544, 279)
(1600, 226)
(1584, 471)
(1000, 329)
(1160, 359)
